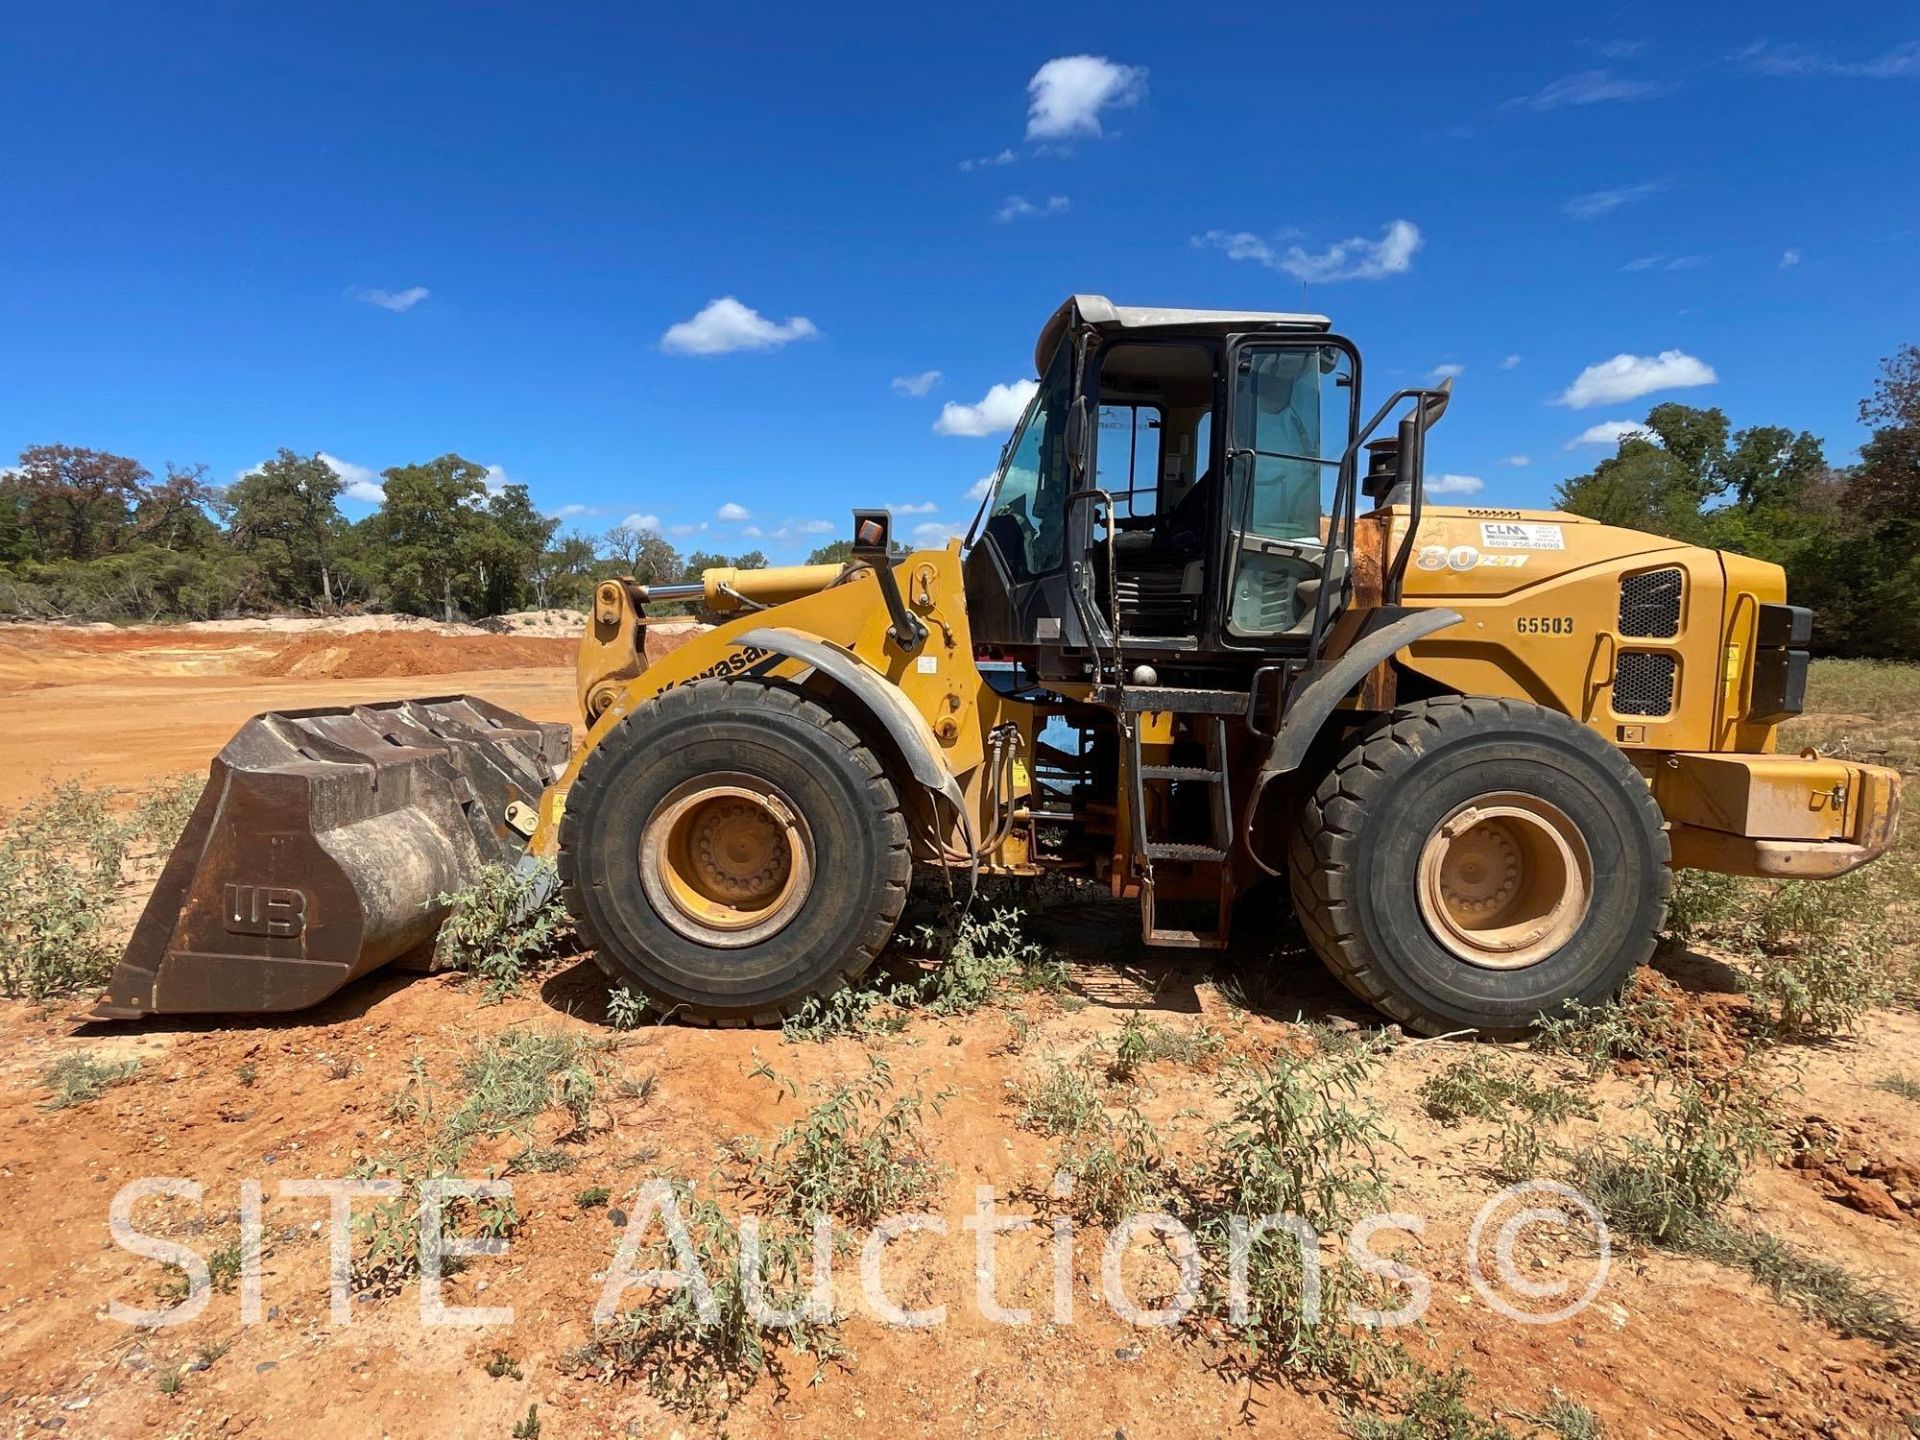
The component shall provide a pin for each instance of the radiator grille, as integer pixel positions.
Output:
(1650, 604)
(1643, 683)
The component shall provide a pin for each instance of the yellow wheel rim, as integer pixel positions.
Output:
(1505, 881)
(726, 860)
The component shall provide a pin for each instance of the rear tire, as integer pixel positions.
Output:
(636, 848)
(1472, 863)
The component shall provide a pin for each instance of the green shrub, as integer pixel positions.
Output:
(1117, 1167)
(1063, 1101)
(1477, 1088)
(77, 1079)
(690, 1363)
(1662, 1188)
(60, 875)
(626, 1007)
(1818, 955)
(1435, 1408)
(513, 1079)
(1641, 1025)
(1300, 1141)
(1702, 899)
(854, 1154)
(495, 930)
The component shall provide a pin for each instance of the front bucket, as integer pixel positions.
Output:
(320, 847)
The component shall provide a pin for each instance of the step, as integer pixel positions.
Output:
(1178, 772)
(1185, 939)
(1167, 850)
(1135, 699)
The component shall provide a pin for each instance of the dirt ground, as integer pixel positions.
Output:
(124, 705)
(1670, 1346)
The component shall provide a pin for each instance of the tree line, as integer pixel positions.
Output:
(1848, 537)
(86, 534)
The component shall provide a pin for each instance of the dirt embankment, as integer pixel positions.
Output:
(358, 657)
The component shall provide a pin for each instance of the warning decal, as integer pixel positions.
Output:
(1520, 535)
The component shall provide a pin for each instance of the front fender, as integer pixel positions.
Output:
(905, 726)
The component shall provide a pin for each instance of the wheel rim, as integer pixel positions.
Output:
(1505, 881)
(727, 860)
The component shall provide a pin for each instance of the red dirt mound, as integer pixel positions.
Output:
(322, 656)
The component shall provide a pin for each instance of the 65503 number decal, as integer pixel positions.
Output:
(1544, 625)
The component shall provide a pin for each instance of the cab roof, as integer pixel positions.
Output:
(1111, 319)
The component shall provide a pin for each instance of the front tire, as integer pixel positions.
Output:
(732, 849)
(1473, 863)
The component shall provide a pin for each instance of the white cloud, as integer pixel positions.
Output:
(979, 488)
(1520, 461)
(1622, 49)
(1661, 262)
(1596, 203)
(1765, 58)
(997, 410)
(732, 511)
(1510, 362)
(497, 479)
(1609, 432)
(933, 533)
(641, 522)
(1066, 95)
(752, 532)
(923, 507)
(915, 385)
(680, 532)
(1455, 485)
(726, 325)
(571, 512)
(360, 482)
(1005, 157)
(1588, 87)
(1790, 257)
(1448, 371)
(399, 301)
(1018, 207)
(1626, 377)
(1354, 259)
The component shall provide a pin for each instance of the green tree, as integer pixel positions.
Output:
(426, 532)
(286, 516)
(174, 515)
(643, 554)
(74, 503)
(563, 574)
(503, 546)
(834, 552)
(838, 552)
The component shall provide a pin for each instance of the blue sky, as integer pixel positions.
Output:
(385, 232)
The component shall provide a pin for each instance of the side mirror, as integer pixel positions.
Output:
(1079, 426)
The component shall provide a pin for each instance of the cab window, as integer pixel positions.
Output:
(1026, 520)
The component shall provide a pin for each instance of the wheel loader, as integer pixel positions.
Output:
(1206, 631)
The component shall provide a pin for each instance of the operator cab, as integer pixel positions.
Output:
(1169, 496)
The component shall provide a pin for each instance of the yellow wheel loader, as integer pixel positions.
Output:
(1205, 630)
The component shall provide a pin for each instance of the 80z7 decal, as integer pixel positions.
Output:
(1464, 557)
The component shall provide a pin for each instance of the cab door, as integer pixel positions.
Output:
(1292, 409)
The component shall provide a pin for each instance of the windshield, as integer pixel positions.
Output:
(1026, 517)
